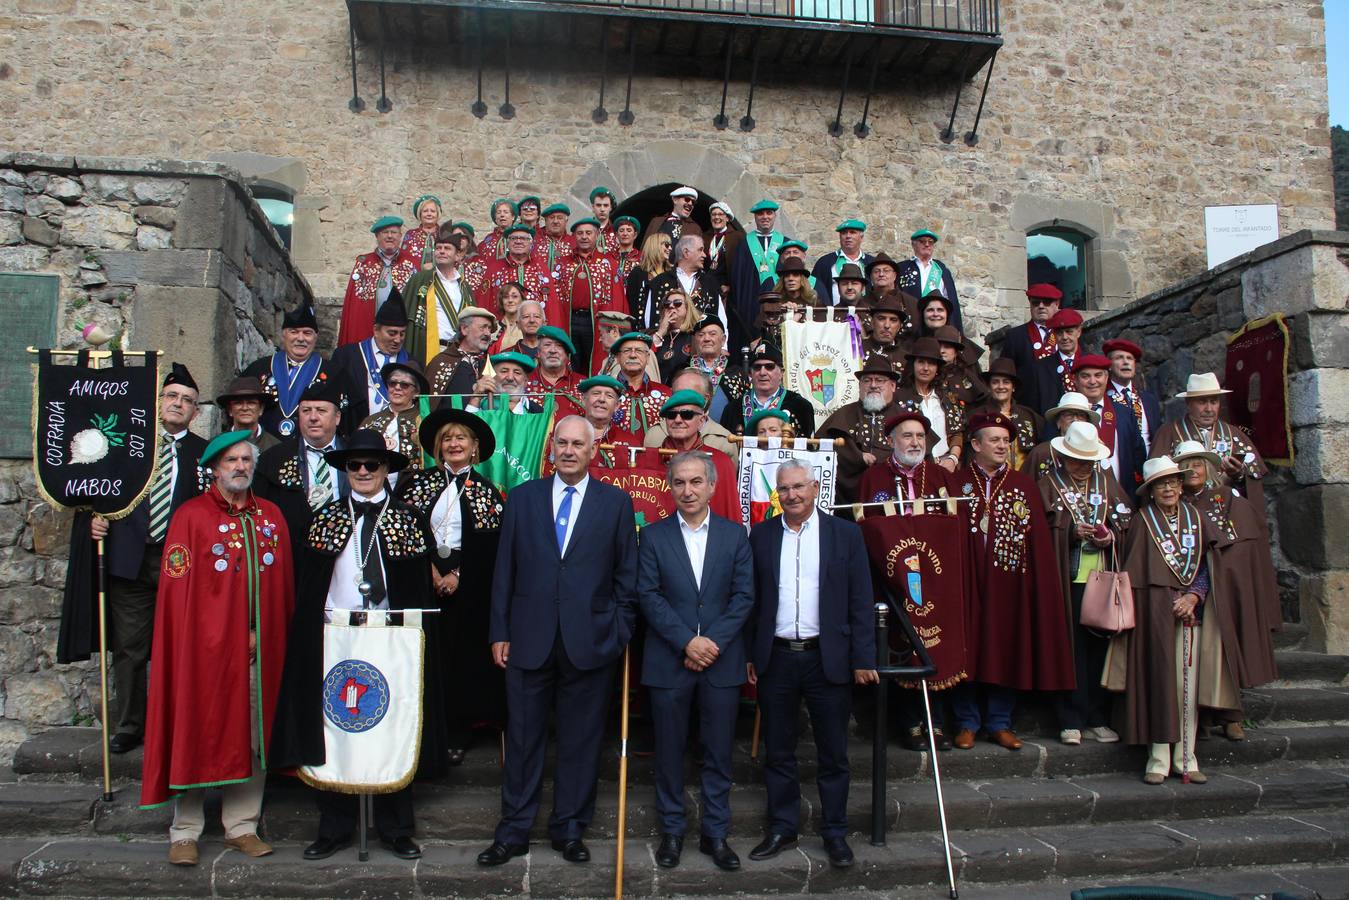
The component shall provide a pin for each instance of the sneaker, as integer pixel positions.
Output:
(1103, 733)
(1070, 736)
(1154, 778)
(183, 853)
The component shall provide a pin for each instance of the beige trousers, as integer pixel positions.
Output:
(1179, 758)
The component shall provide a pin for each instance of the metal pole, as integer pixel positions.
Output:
(861, 129)
(362, 826)
(941, 800)
(626, 117)
(747, 120)
(507, 111)
(720, 121)
(103, 663)
(479, 108)
(836, 127)
(622, 780)
(384, 105)
(972, 136)
(600, 115)
(878, 744)
(355, 104)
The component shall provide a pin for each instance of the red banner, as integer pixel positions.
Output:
(645, 482)
(1257, 376)
(925, 561)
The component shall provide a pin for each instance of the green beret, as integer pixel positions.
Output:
(222, 442)
(417, 204)
(787, 245)
(467, 227)
(637, 226)
(601, 191)
(515, 210)
(852, 224)
(519, 359)
(684, 398)
(588, 220)
(764, 205)
(630, 336)
(556, 208)
(752, 425)
(511, 229)
(924, 232)
(384, 222)
(608, 381)
(557, 334)
(530, 199)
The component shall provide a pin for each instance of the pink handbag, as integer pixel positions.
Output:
(1108, 600)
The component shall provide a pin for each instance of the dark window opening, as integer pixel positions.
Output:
(1059, 256)
(279, 208)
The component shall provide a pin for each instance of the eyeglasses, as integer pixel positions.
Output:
(687, 415)
(405, 385)
(1041, 301)
(369, 465)
(764, 366)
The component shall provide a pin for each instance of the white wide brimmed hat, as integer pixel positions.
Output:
(1072, 401)
(1081, 441)
(1194, 450)
(1159, 467)
(1202, 384)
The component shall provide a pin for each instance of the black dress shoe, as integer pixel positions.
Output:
(772, 845)
(325, 847)
(720, 851)
(671, 846)
(123, 743)
(840, 854)
(914, 739)
(403, 848)
(939, 740)
(500, 853)
(572, 850)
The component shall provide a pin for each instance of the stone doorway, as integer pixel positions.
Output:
(655, 201)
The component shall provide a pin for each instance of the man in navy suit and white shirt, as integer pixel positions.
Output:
(814, 636)
(1125, 388)
(564, 604)
(695, 583)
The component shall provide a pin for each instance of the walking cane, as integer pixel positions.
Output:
(754, 740)
(103, 665)
(622, 781)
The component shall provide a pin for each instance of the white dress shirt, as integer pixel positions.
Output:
(453, 288)
(342, 590)
(931, 407)
(1127, 391)
(923, 269)
(382, 359)
(695, 542)
(559, 489)
(312, 457)
(447, 520)
(799, 581)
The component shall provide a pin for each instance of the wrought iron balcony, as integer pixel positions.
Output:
(918, 43)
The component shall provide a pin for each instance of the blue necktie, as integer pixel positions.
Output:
(563, 514)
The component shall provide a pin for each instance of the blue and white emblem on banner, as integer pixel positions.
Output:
(355, 696)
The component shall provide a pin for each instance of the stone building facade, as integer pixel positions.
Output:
(1112, 118)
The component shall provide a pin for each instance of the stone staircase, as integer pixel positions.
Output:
(1274, 816)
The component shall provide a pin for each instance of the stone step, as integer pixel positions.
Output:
(1290, 637)
(73, 754)
(1305, 668)
(108, 867)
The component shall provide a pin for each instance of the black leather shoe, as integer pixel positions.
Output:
(914, 739)
(720, 851)
(572, 850)
(404, 848)
(671, 846)
(123, 743)
(939, 740)
(772, 845)
(326, 847)
(840, 854)
(500, 853)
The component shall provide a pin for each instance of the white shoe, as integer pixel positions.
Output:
(1070, 736)
(1104, 734)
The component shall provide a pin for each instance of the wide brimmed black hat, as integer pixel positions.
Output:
(365, 443)
(413, 368)
(431, 425)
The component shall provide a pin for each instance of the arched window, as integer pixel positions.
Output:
(1058, 255)
(278, 205)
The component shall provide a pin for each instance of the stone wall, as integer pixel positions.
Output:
(163, 255)
(1184, 329)
(1112, 117)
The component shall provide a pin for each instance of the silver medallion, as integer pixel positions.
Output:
(268, 559)
(224, 528)
(444, 551)
(287, 427)
(218, 549)
(365, 588)
(221, 565)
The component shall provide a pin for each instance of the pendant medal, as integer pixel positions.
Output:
(317, 494)
(983, 524)
(444, 551)
(287, 427)
(364, 588)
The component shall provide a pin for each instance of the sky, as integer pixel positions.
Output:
(1337, 60)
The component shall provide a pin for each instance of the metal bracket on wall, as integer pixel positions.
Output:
(599, 115)
(355, 104)
(747, 121)
(836, 127)
(626, 117)
(479, 108)
(949, 134)
(720, 121)
(384, 104)
(862, 129)
(972, 136)
(507, 111)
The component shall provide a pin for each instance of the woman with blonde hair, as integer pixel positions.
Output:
(655, 262)
(509, 297)
(673, 333)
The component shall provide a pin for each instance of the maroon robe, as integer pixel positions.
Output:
(358, 305)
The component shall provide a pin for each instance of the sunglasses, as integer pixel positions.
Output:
(1041, 301)
(405, 385)
(764, 366)
(369, 465)
(687, 415)
(674, 304)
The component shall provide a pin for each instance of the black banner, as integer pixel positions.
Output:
(95, 431)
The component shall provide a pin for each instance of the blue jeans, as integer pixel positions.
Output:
(1000, 702)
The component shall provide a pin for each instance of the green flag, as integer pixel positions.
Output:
(522, 440)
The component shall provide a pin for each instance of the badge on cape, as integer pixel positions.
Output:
(287, 427)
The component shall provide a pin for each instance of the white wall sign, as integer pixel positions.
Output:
(1233, 230)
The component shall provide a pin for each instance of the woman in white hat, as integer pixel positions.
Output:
(1088, 516)
(1254, 611)
(723, 238)
(1170, 663)
(1072, 407)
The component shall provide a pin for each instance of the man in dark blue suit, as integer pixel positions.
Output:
(813, 636)
(1124, 388)
(1052, 375)
(1118, 428)
(564, 604)
(695, 583)
(828, 267)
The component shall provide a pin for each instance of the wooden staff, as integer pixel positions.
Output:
(622, 781)
(103, 665)
(758, 724)
(811, 443)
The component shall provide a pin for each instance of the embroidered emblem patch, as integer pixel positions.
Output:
(355, 696)
(177, 559)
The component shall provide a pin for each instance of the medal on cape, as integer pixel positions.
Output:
(268, 558)
(1168, 546)
(221, 565)
(1095, 499)
(317, 494)
(983, 524)
(1122, 508)
(1222, 446)
(1187, 541)
(363, 587)
(1036, 346)
(1248, 458)
(287, 428)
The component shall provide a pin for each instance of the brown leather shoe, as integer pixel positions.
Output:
(249, 845)
(183, 853)
(1006, 739)
(1234, 731)
(964, 739)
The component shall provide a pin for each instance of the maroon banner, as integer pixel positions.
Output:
(645, 482)
(925, 561)
(1257, 376)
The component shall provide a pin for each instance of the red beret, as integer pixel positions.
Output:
(907, 415)
(1091, 361)
(1129, 347)
(980, 421)
(1043, 291)
(1065, 318)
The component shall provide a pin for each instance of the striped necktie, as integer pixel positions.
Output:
(161, 494)
(323, 479)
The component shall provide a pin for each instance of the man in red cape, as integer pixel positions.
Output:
(375, 277)
(1019, 640)
(585, 283)
(226, 592)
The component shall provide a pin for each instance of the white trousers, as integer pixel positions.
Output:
(1179, 758)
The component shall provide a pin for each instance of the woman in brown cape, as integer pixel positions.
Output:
(1179, 655)
(1255, 611)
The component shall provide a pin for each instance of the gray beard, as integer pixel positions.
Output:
(873, 404)
(911, 459)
